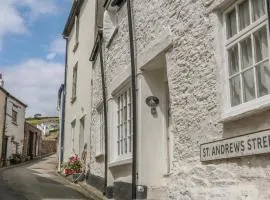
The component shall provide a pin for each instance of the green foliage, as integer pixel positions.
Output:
(74, 163)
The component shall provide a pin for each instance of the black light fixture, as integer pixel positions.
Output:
(152, 102)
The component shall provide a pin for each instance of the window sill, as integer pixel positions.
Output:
(99, 155)
(73, 99)
(120, 162)
(15, 123)
(246, 109)
(75, 47)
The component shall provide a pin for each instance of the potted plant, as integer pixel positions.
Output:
(72, 166)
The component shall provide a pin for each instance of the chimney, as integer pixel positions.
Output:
(1, 80)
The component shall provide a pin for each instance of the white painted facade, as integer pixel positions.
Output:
(14, 128)
(77, 112)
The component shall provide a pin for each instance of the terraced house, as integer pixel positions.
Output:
(178, 97)
(12, 117)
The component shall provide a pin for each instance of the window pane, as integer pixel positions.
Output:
(231, 23)
(261, 44)
(249, 85)
(244, 18)
(258, 9)
(235, 90)
(246, 53)
(233, 60)
(263, 78)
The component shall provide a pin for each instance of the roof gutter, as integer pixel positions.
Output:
(75, 10)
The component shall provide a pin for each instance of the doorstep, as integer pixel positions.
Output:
(84, 188)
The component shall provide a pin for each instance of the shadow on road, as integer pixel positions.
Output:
(36, 181)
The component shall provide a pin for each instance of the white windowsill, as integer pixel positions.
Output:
(120, 162)
(246, 109)
(99, 155)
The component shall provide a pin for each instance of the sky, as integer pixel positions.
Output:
(32, 51)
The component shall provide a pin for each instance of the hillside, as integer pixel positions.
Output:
(50, 124)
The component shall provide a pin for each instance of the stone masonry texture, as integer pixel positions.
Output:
(195, 93)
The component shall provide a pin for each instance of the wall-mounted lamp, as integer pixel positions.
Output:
(152, 102)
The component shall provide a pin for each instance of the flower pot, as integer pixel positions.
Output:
(68, 171)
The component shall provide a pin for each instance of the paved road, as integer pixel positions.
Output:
(35, 181)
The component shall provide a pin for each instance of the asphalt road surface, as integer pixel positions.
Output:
(36, 181)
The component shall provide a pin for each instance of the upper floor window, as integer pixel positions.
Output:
(14, 116)
(124, 123)
(77, 29)
(74, 83)
(247, 51)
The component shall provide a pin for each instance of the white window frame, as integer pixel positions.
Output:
(259, 103)
(81, 135)
(73, 128)
(74, 83)
(119, 155)
(77, 32)
(100, 141)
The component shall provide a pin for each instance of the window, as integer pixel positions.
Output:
(81, 139)
(73, 133)
(77, 29)
(74, 83)
(247, 50)
(14, 116)
(124, 123)
(100, 133)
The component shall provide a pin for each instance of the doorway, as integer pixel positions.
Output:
(4, 150)
(30, 145)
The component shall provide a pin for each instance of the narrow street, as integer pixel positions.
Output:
(35, 181)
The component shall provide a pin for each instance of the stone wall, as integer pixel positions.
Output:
(196, 103)
(96, 163)
(48, 147)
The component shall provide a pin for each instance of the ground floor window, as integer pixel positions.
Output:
(124, 123)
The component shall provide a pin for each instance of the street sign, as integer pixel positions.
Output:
(251, 144)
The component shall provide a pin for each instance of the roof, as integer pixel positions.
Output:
(41, 118)
(32, 126)
(11, 96)
(75, 10)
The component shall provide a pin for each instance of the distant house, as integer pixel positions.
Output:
(12, 117)
(46, 128)
(32, 141)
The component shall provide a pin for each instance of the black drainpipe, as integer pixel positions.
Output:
(268, 12)
(134, 100)
(4, 127)
(63, 114)
(100, 35)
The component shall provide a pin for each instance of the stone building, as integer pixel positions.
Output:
(32, 141)
(202, 88)
(12, 124)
